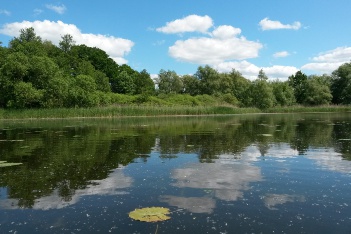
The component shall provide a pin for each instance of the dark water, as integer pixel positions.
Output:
(233, 174)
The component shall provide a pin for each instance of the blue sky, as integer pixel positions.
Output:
(280, 37)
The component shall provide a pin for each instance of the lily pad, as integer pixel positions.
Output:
(150, 214)
(6, 164)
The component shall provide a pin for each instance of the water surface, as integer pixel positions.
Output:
(229, 174)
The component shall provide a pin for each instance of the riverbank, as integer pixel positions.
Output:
(134, 110)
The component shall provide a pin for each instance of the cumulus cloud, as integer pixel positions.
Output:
(267, 24)
(5, 12)
(327, 62)
(250, 71)
(281, 54)
(59, 9)
(115, 47)
(191, 23)
(223, 44)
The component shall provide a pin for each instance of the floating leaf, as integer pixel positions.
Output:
(6, 164)
(150, 214)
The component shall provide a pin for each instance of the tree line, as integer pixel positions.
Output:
(35, 73)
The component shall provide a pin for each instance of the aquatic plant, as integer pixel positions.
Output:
(150, 214)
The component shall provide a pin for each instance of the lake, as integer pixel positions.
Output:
(281, 173)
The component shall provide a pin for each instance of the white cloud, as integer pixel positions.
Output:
(281, 54)
(222, 45)
(324, 68)
(5, 12)
(340, 54)
(191, 23)
(226, 31)
(115, 47)
(327, 62)
(267, 24)
(250, 71)
(58, 9)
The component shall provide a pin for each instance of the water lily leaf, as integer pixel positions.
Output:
(150, 214)
(6, 164)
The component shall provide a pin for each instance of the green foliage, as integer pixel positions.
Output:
(283, 94)
(144, 84)
(298, 83)
(260, 95)
(317, 92)
(191, 85)
(169, 82)
(341, 84)
(36, 74)
(25, 96)
(209, 80)
(124, 83)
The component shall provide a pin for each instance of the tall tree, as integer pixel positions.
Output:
(262, 76)
(209, 80)
(317, 92)
(341, 84)
(169, 82)
(298, 83)
(283, 93)
(144, 84)
(66, 43)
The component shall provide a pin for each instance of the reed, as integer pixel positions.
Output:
(154, 110)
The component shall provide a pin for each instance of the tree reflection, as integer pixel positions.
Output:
(67, 159)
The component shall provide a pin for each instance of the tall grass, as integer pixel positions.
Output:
(154, 110)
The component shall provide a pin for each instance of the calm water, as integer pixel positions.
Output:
(233, 174)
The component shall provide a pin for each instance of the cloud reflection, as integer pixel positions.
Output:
(228, 180)
(192, 204)
(328, 159)
(112, 185)
(272, 200)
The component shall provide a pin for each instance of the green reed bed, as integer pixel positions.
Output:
(306, 109)
(144, 110)
(119, 111)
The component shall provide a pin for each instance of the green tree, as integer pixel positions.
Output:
(57, 91)
(341, 84)
(317, 93)
(28, 43)
(144, 84)
(41, 70)
(283, 93)
(66, 43)
(191, 85)
(298, 83)
(169, 82)
(82, 92)
(124, 83)
(239, 85)
(209, 80)
(25, 96)
(262, 76)
(260, 95)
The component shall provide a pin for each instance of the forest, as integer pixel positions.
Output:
(35, 73)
